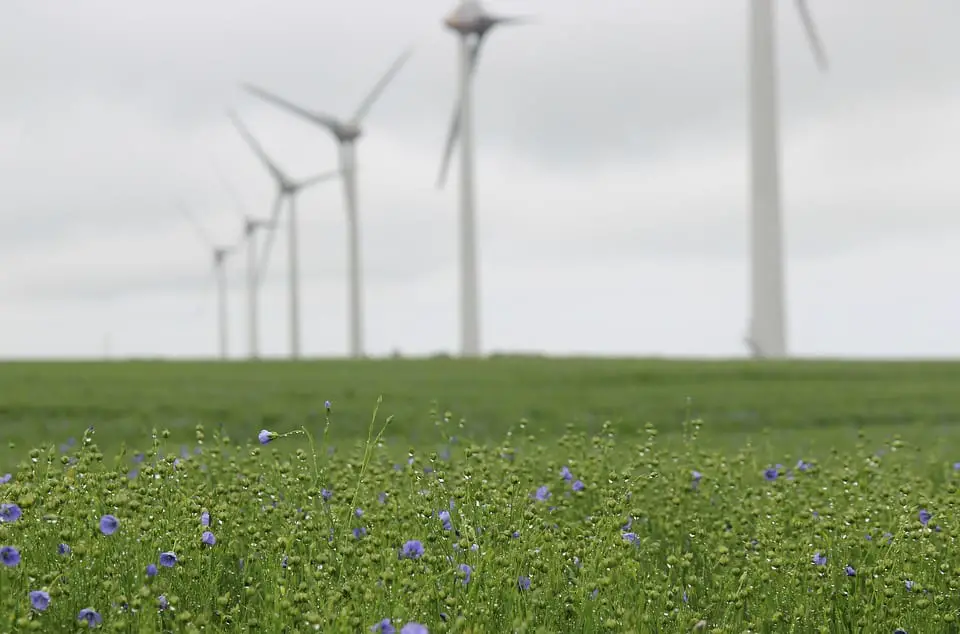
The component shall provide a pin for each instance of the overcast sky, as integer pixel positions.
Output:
(611, 167)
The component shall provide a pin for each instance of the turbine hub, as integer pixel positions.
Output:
(347, 132)
(470, 18)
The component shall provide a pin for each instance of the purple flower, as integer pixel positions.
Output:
(467, 571)
(359, 532)
(326, 494)
(956, 467)
(632, 538)
(91, 616)
(383, 627)
(542, 494)
(6, 478)
(850, 571)
(578, 486)
(908, 584)
(697, 476)
(413, 549)
(803, 466)
(63, 549)
(382, 498)
(109, 525)
(40, 600)
(151, 570)
(819, 560)
(414, 628)
(168, 559)
(208, 538)
(162, 602)
(445, 520)
(10, 512)
(205, 519)
(358, 512)
(515, 534)
(924, 516)
(523, 582)
(266, 436)
(9, 556)
(565, 473)
(770, 474)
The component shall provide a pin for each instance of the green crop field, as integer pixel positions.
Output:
(507, 494)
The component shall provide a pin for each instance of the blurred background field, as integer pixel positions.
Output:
(781, 407)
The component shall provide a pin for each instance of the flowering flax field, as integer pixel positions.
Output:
(315, 516)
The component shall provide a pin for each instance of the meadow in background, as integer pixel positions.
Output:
(526, 495)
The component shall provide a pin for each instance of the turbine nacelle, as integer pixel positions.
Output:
(470, 18)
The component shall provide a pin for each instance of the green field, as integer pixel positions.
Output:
(694, 496)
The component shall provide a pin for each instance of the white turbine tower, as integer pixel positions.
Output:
(471, 22)
(286, 189)
(220, 254)
(767, 329)
(346, 133)
(248, 239)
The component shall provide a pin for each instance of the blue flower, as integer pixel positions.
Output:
(819, 560)
(208, 538)
(9, 556)
(162, 602)
(924, 516)
(266, 436)
(542, 494)
(414, 628)
(770, 474)
(413, 549)
(168, 559)
(109, 525)
(850, 571)
(467, 571)
(63, 549)
(6, 478)
(382, 498)
(578, 486)
(151, 570)
(91, 616)
(697, 476)
(326, 494)
(358, 512)
(40, 600)
(445, 519)
(565, 473)
(359, 532)
(383, 627)
(803, 466)
(205, 519)
(10, 512)
(523, 582)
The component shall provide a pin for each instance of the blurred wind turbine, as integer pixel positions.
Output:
(286, 189)
(219, 269)
(471, 22)
(251, 226)
(767, 335)
(346, 133)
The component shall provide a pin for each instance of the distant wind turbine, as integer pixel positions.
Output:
(251, 226)
(346, 133)
(767, 337)
(286, 189)
(471, 22)
(219, 269)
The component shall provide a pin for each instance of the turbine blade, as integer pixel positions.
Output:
(315, 117)
(452, 135)
(813, 37)
(254, 145)
(367, 103)
(319, 178)
(198, 229)
(268, 244)
(239, 210)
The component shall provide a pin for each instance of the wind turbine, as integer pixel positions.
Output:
(251, 226)
(767, 336)
(471, 22)
(220, 254)
(346, 133)
(286, 189)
